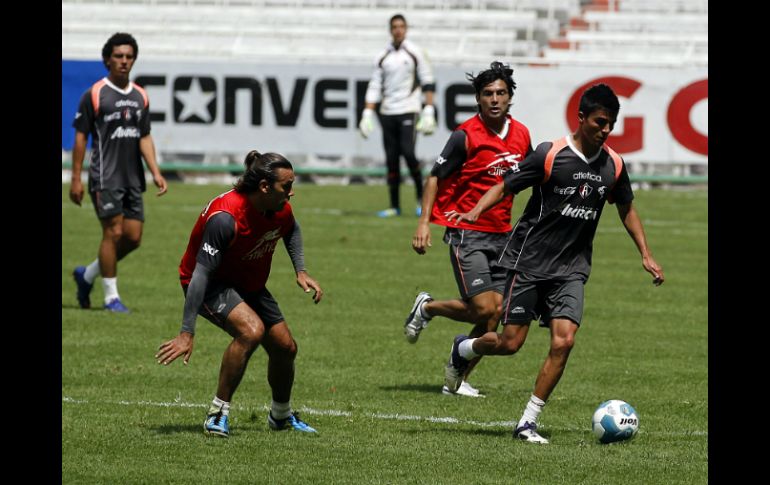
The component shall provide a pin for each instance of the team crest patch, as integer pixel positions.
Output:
(585, 190)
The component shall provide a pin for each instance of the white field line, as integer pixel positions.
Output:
(338, 413)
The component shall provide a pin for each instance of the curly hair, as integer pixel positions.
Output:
(497, 70)
(119, 38)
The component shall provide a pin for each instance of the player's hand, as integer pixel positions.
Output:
(160, 182)
(652, 267)
(427, 121)
(307, 283)
(76, 191)
(469, 217)
(366, 126)
(182, 344)
(421, 238)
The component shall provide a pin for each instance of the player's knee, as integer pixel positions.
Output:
(562, 345)
(113, 233)
(485, 314)
(251, 336)
(511, 345)
(131, 241)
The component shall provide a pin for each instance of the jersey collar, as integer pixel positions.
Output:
(579, 153)
(121, 91)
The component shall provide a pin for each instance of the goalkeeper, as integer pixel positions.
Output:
(401, 74)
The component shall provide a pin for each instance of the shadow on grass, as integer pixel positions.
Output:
(427, 388)
(178, 428)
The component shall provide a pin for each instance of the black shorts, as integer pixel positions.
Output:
(474, 260)
(528, 298)
(220, 301)
(113, 202)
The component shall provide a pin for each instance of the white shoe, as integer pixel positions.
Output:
(465, 389)
(528, 432)
(415, 322)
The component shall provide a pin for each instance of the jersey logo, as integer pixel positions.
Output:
(120, 132)
(210, 249)
(439, 160)
(587, 213)
(585, 190)
(503, 162)
(265, 245)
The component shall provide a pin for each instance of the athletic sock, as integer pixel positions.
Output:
(280, 410)
(465, 349)
(424, 312)
(218, 405)
(110, 286)
(532, 411)
(92, 271)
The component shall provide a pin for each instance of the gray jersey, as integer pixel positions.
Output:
(116, 119)
(554, 236)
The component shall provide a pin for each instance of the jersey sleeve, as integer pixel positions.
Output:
(424, 71)
(374, 88)
(529, 171)
(84, 118)
(452, 157)
(621, 193)
(293, 242)
(144, 121)
(217, 236)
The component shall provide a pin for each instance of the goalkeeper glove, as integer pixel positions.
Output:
(366, 126)
(427, 121)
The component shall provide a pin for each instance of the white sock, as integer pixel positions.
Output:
(465, 349)
(280, 410)
(532, 411)
(92, 271)
(218, 405)
(110, 286)
(424, 312)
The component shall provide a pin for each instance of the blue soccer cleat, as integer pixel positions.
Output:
(216, 424)
(84, 287)
(454, 372)
(391, 212)
(116, 306)
(292, 422)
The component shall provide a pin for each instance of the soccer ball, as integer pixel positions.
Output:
(614, 420)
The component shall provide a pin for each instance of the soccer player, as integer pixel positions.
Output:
(223, 274)
(550, 249)
(474, 159)
(116, 113)
(401, 74)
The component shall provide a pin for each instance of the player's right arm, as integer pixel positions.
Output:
(82, 124)
(217, 236)
(451, 159)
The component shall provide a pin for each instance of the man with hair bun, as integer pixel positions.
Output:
(223, 274)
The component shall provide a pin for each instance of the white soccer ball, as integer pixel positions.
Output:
(615, 420)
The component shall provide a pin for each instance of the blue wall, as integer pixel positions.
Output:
(76, 77)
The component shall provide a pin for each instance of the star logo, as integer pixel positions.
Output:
(195, 99)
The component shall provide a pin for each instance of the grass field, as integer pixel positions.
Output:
(374, 398)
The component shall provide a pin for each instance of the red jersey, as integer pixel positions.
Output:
(246, 261)
(488, 158)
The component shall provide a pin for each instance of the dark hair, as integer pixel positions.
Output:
(398, 16)
(599, 96)
(497, 70)
(119, 38)
(260, 167)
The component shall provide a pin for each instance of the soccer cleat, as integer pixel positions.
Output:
(84, 287)
(454, 372)
(465, 389)
(391, 212)
(416, 321)
(292, 422)
(418, 211)
(528, 432)
(116, 306)
(217, 425)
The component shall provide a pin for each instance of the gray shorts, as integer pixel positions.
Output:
(474, 260)
(528, 298)
(220, 301)
(113, 202)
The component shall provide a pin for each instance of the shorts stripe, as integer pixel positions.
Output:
(460, 268)
(510, 297)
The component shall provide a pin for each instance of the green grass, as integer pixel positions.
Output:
(126, 419)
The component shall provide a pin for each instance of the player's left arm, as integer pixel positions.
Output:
(633, 224)
(147, 149)
(293, 242)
